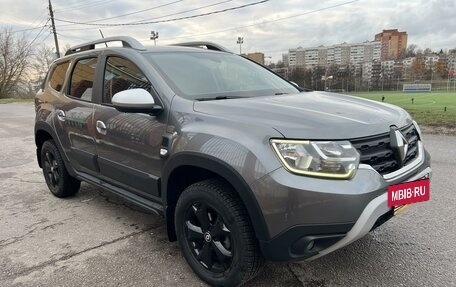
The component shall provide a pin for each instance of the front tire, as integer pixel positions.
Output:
(59, 182)
(215, 234)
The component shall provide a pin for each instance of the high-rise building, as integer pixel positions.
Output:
(430, 60)
(393, 44)
(452, 64)
(342, 54)
(285, 59)
(372, 51)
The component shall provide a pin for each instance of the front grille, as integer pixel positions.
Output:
(377, 152)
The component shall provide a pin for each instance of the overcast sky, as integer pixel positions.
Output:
(271, 27)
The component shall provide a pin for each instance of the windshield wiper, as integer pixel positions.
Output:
(280, 93)
(218, 98)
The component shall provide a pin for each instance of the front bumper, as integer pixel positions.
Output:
(373, 211)
(306, 224)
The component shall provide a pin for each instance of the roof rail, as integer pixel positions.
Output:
(127, 42)
(203, 44)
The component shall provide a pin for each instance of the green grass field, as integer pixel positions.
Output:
(427, 109)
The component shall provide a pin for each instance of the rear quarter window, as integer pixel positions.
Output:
(57, 77)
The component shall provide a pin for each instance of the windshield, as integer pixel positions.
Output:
(203, 75)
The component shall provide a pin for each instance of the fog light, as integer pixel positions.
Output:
(310, 245)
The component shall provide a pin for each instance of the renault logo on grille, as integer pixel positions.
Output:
(399, 145)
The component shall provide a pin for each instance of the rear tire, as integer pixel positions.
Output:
(215, 234)
(59, 182)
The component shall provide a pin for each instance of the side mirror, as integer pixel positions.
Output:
(135, 101)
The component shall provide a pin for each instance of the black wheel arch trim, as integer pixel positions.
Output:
(226, 172)
(46, 127)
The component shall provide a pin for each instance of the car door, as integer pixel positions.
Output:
(128, 144)
(74, 115)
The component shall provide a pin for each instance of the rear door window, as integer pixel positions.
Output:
(82, 79)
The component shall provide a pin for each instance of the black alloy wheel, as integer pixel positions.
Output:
(51, 169)
(209, 237)
(215, 234)
(59, 182)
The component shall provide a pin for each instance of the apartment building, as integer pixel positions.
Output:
(451, 62)
(285, 59)
(431, 60)
(407, 62)
(371, 71)
(393, 43)
(342, 54)
(357, 53)
(388, 65)
(372, 51)
(257, 57)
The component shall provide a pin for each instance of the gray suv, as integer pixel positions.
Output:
(245, 166)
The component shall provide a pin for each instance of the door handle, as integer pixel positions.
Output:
(61, 115)
(101, 127)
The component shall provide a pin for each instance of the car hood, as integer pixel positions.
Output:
(310, 115)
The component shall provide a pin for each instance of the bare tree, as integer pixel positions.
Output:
(411, 50)
(418, 67)
(280, 64)
(298, 75)
(14, 60)
(441, 68)
(427, 51)
(42, 59)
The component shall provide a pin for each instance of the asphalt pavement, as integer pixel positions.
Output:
(97, 239)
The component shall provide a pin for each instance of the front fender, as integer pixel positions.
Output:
(43, 132)
(224, 171)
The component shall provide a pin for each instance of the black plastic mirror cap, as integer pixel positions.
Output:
(154, 110)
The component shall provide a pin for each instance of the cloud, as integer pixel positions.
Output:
(428, 23)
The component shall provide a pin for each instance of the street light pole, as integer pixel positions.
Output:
(154, 36)
(240, 41)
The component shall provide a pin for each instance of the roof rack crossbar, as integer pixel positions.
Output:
(203, 44)
(127, 42)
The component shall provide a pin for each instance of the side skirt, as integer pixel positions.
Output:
(147, 204)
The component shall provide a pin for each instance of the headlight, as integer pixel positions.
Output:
(329, 159)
